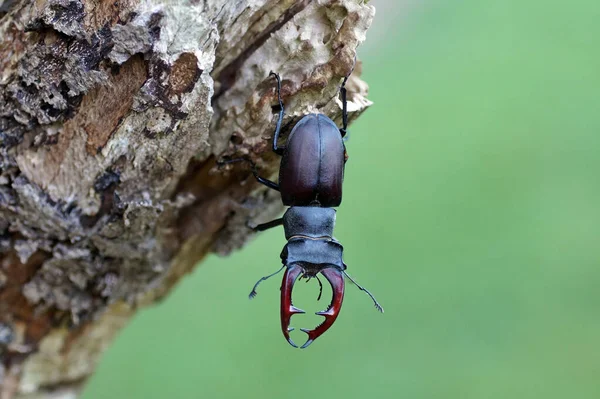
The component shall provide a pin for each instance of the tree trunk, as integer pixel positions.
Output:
(112, 116)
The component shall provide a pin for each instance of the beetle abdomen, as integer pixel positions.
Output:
(312, 167)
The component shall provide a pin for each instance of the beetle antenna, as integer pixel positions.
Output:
(320, 284)
(253, 292)
(276, 75)
(377, 305)
(276, 149)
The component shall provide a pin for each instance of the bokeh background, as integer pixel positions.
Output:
(471, 210)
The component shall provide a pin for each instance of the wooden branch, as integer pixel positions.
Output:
(112, 115)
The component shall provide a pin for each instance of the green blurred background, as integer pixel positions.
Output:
(471, 210)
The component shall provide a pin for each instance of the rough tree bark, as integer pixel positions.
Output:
(112, 114)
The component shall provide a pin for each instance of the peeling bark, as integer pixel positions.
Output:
(112, 115)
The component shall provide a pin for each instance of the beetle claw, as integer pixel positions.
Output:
(290, 329)
(309, 341)
(335, 278)
(294, 310)
(287, 309)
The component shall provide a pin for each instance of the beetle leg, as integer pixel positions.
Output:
(266, 226)
(260, 179)
(287, 309)
(336, 279)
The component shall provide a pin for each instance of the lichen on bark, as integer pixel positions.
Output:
(112, 115)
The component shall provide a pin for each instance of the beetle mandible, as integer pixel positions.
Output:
(310, 183)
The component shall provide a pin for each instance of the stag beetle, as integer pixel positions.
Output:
(310, 183)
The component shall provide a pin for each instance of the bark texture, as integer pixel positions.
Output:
(112, 115)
